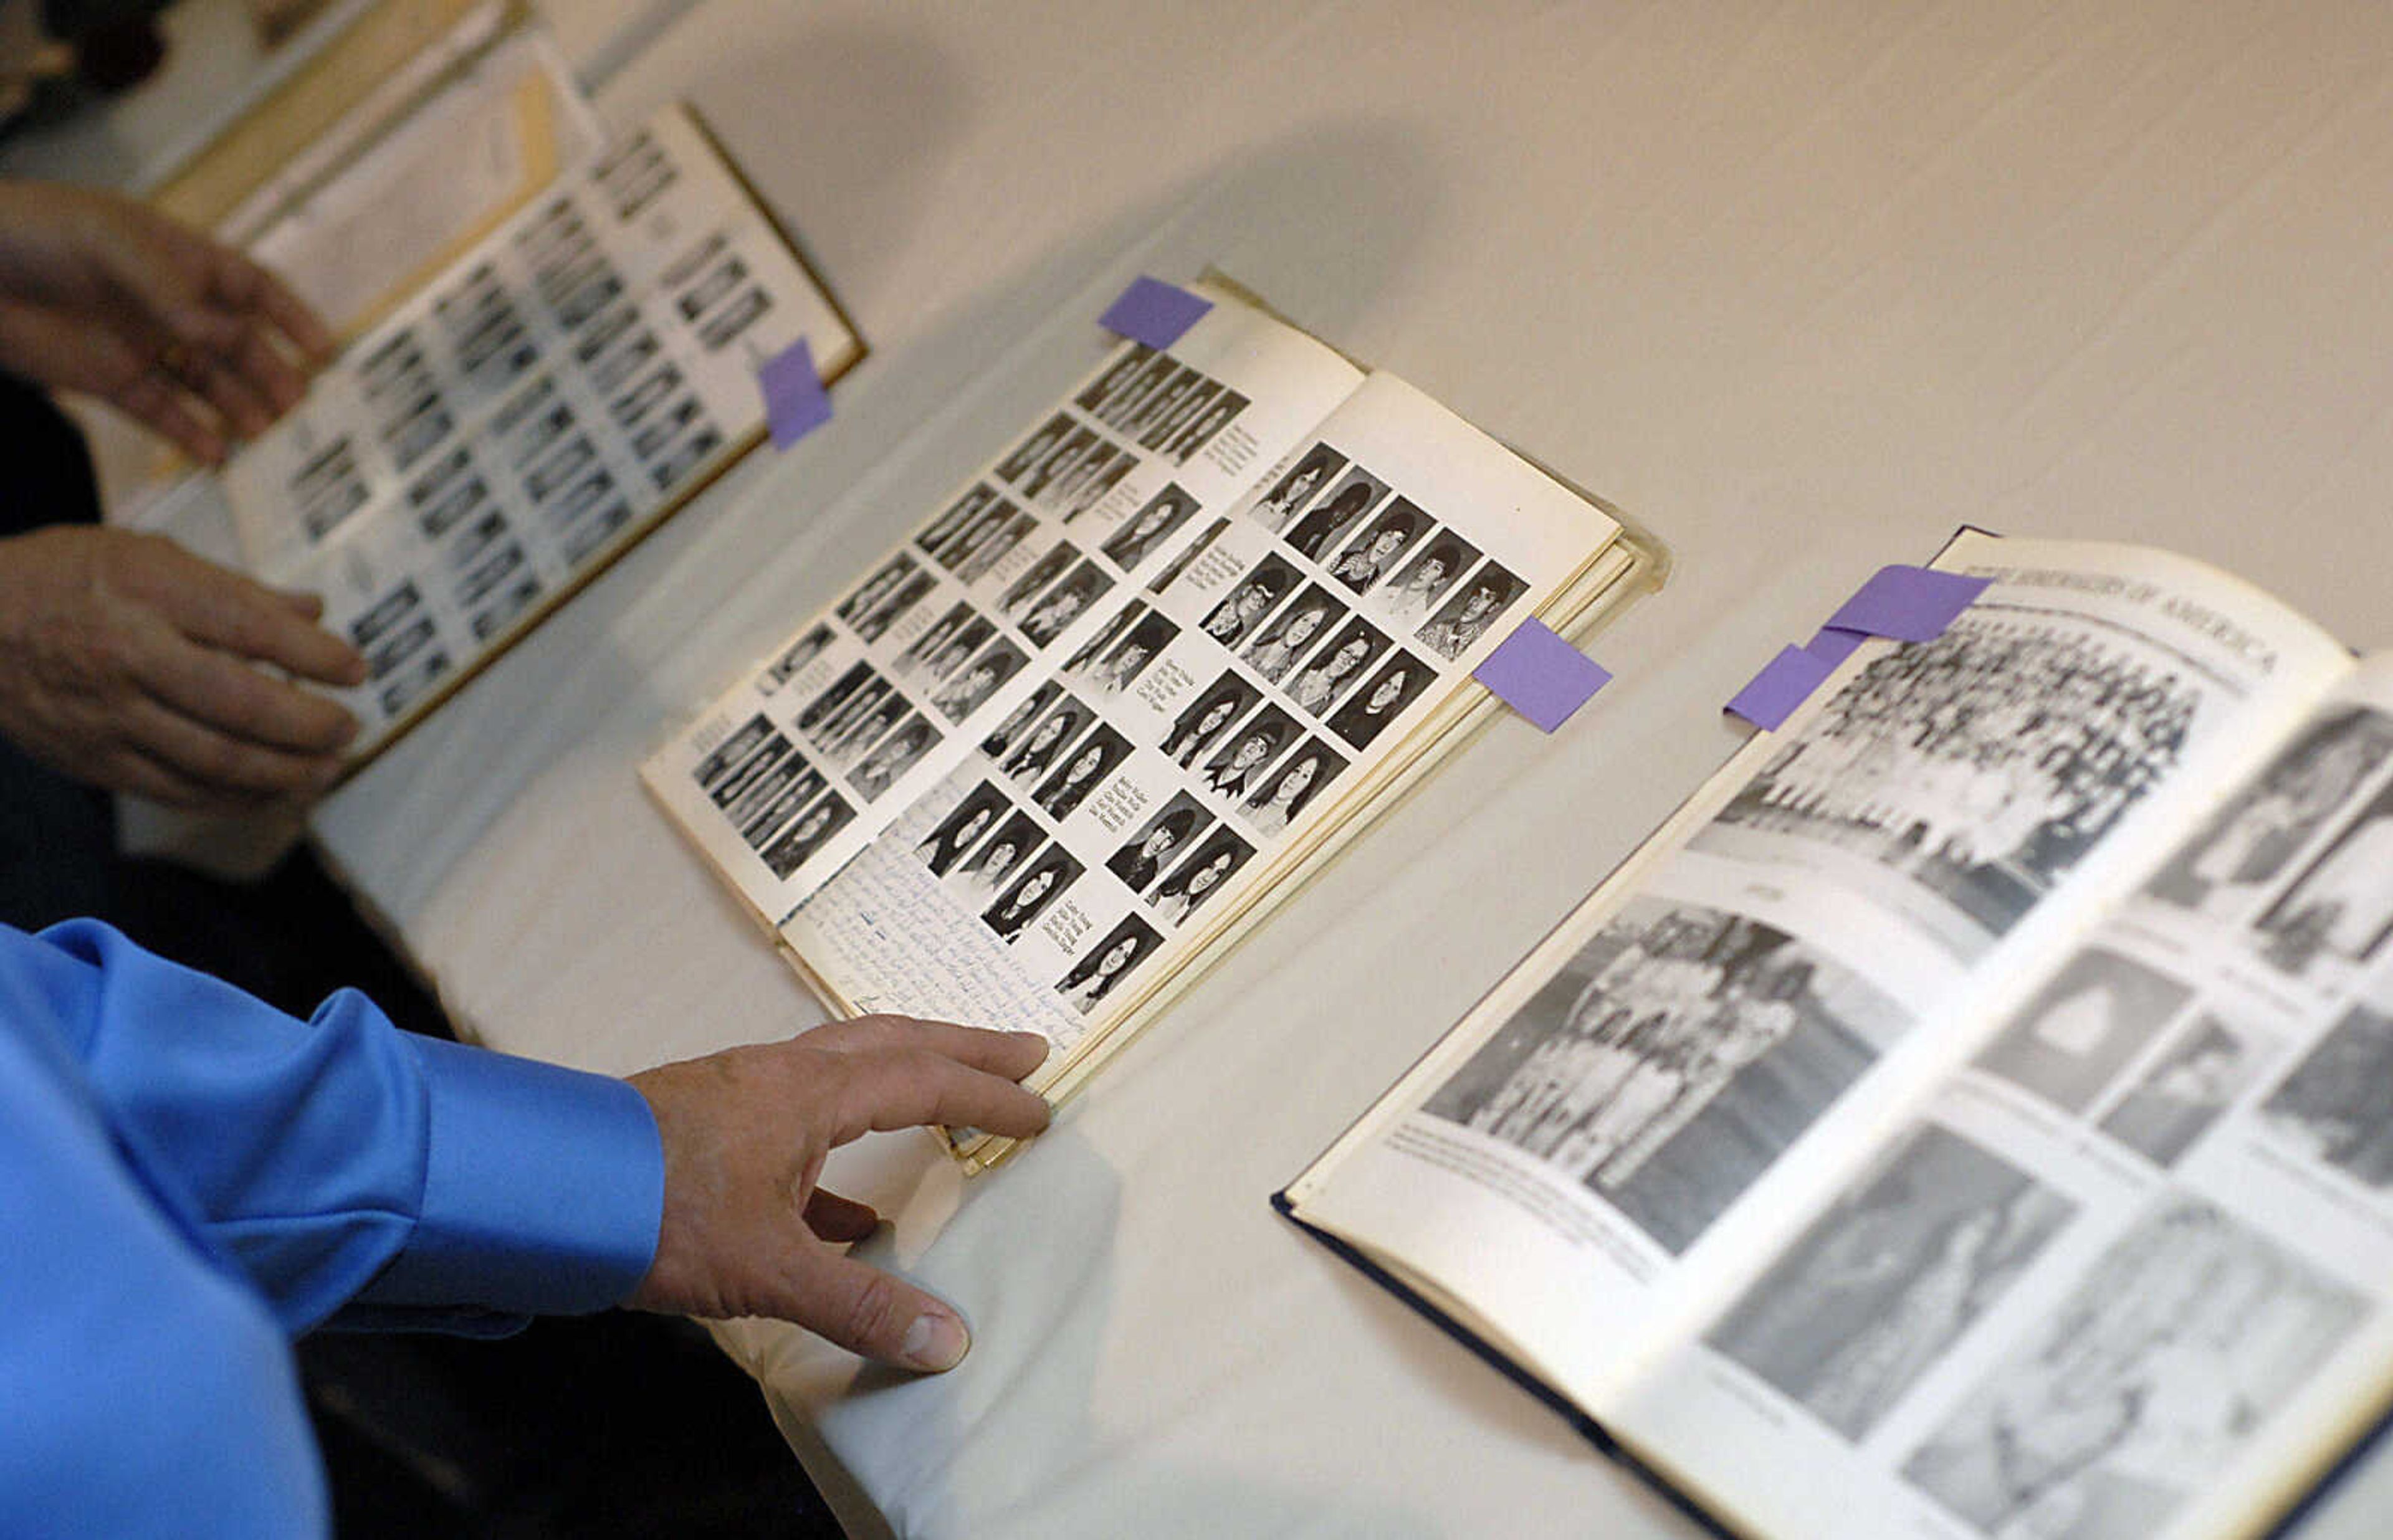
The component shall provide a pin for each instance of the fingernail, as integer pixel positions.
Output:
(934, 1343)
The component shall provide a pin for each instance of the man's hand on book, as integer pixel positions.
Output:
(746, 1132)
(130, 663)
(101, 294)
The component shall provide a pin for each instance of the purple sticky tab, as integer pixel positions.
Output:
(1910, 604)
(1833, 645)
(1540, 675)
(1153, 312)
(795, 402)
(1785, 683)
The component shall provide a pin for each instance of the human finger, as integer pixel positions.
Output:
(269, 371)
(237, 700)
(159, 402)
(130, 769)
(871, 1312)
(905, 1087)
(248, 288)
(839, 1220)
(221, 764)
(242, 403)
(224, 610)
(1011, 1054)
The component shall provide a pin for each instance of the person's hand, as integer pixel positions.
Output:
(130, 663)
(101, 294)
(746, 1231)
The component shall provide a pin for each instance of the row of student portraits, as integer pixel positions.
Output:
(1294, 622)
(535, 437)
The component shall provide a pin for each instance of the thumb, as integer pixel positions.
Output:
(872, 1313)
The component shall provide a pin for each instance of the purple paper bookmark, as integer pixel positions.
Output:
(1910, 604)
(1153, 312)
(1785, 683)
(795, 402)
(1540, 675)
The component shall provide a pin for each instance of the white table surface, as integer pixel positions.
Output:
(1801, 285)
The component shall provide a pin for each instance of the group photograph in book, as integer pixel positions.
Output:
(2252, 840)
(1969, 774)
(812, 830)
(1107, 964)
(2154, 1372)
(1875, 1293)
(1677, 1054)
(1200, 877)
(1038, 886)
(2079, 1032)
(961, 828)
(1290, 494)
(2334, 918)
(2181, 1093)
(2335, 1109)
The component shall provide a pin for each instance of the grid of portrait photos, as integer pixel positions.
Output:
(486, 447)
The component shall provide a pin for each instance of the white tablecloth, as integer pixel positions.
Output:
(1802, 285)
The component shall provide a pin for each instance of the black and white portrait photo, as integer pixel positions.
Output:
(1114, 379)
(1294, 784)
(1105, 965)
(875, 622)
(946, 844)
(1879, 1288)
(2156, 1370)
(866, 597)
(1052, 612)
(1033, 450)
(798, 784)
(2339, 909)
(1206, 871)
(960, 514)
(880, 766)
(873, 714)
(1413, 596)
(1289, 495)
(970, 686)
(2249, 844)
(1253, 596)
(1372, 555)
(1039, 747)
(1295, 631)
(1219, 414)
(1015, 601)
(823, 713)
(1159, 841)
(1121, 663)
(988, 867)
(1672, 1059)
(1080, 771)
(1084, 657)
(1145, 530)
(1185, 555)
(1175, 417)
(1338, 513)
(733, 750)
(1013, 533)
(2336, 1106)
(1236, 769)
(812, 830)
(1323, 680)
(1008, 732)
(935, 640)
(1968, 775)
(1043, 882)
(986, 526)
(1201, 723)
(2182, 1092)
(1477, 603)
(1368, 710)
(796, 656)
(2080, 1029)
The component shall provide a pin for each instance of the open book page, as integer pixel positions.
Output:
(1735, 1021)
(489, 447)
(1006, 619)
(1204, 740)
(2127, 1274)
(357, 224)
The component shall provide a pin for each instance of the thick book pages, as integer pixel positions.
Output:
(1133, 682)
(547, 398)
(1966, 1116)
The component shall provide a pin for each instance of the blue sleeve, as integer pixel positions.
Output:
(340, 1159)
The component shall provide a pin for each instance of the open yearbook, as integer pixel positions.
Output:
(524, 409)
(1099, 711)
(1972, 1112)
